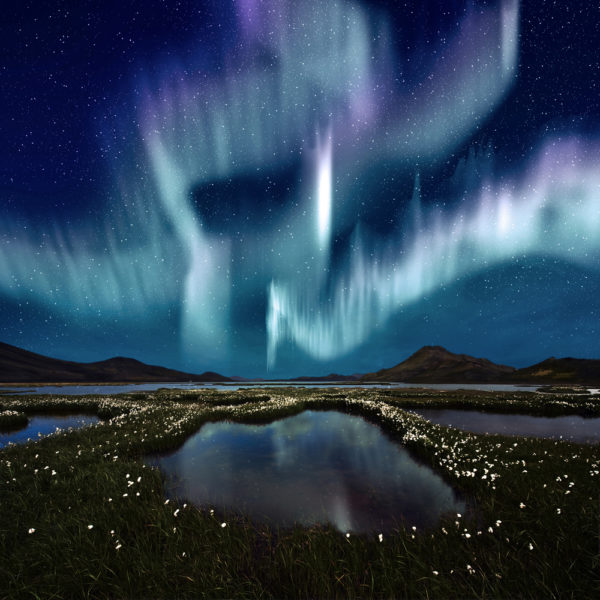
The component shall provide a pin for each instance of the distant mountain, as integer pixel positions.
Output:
(330, 377)
(18, 365)
(561, 370)
(434, 364)
(430, 364)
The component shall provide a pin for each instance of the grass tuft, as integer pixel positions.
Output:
(83, 516)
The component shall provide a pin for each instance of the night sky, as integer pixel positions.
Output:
(286, 187)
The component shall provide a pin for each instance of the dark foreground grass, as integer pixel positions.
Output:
(83, 517)
(12, 419)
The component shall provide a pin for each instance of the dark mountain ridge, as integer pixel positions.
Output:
(434, 364)
(21, 366)
(330, 377)
(430, 364)
(561, 370)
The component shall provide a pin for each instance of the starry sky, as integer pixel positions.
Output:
(273, 188)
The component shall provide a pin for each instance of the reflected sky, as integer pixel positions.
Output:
(568, 427)
(43, 425)
(315, 467)
(86, 390)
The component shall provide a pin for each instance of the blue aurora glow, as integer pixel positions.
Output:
(314, 104)
(553, 211)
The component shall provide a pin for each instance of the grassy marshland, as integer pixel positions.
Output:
(83, 517)
(12, 419)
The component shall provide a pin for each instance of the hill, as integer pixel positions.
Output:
(561, 370)
(18, 365)
(434, 364)
(330, 377)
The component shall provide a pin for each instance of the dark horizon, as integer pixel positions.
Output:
(426, 364)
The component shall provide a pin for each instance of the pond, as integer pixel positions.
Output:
(569, 427)
(43, 425)
(315, 467)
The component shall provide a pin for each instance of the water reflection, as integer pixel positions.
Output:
(315, 467)
(108, 389)
(43, 425)
(569, 427)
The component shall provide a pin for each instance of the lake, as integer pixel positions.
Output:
(44, 425)
(315, 467)
(568, 427)
(109, 389)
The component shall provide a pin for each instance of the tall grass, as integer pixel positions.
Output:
(12, 419)
(101, 526)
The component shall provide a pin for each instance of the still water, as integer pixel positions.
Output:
(43, 425)
(315, 467)
(102, 389)
(569, 427)
(108, 389)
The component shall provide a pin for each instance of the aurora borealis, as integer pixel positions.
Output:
(275, 188)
